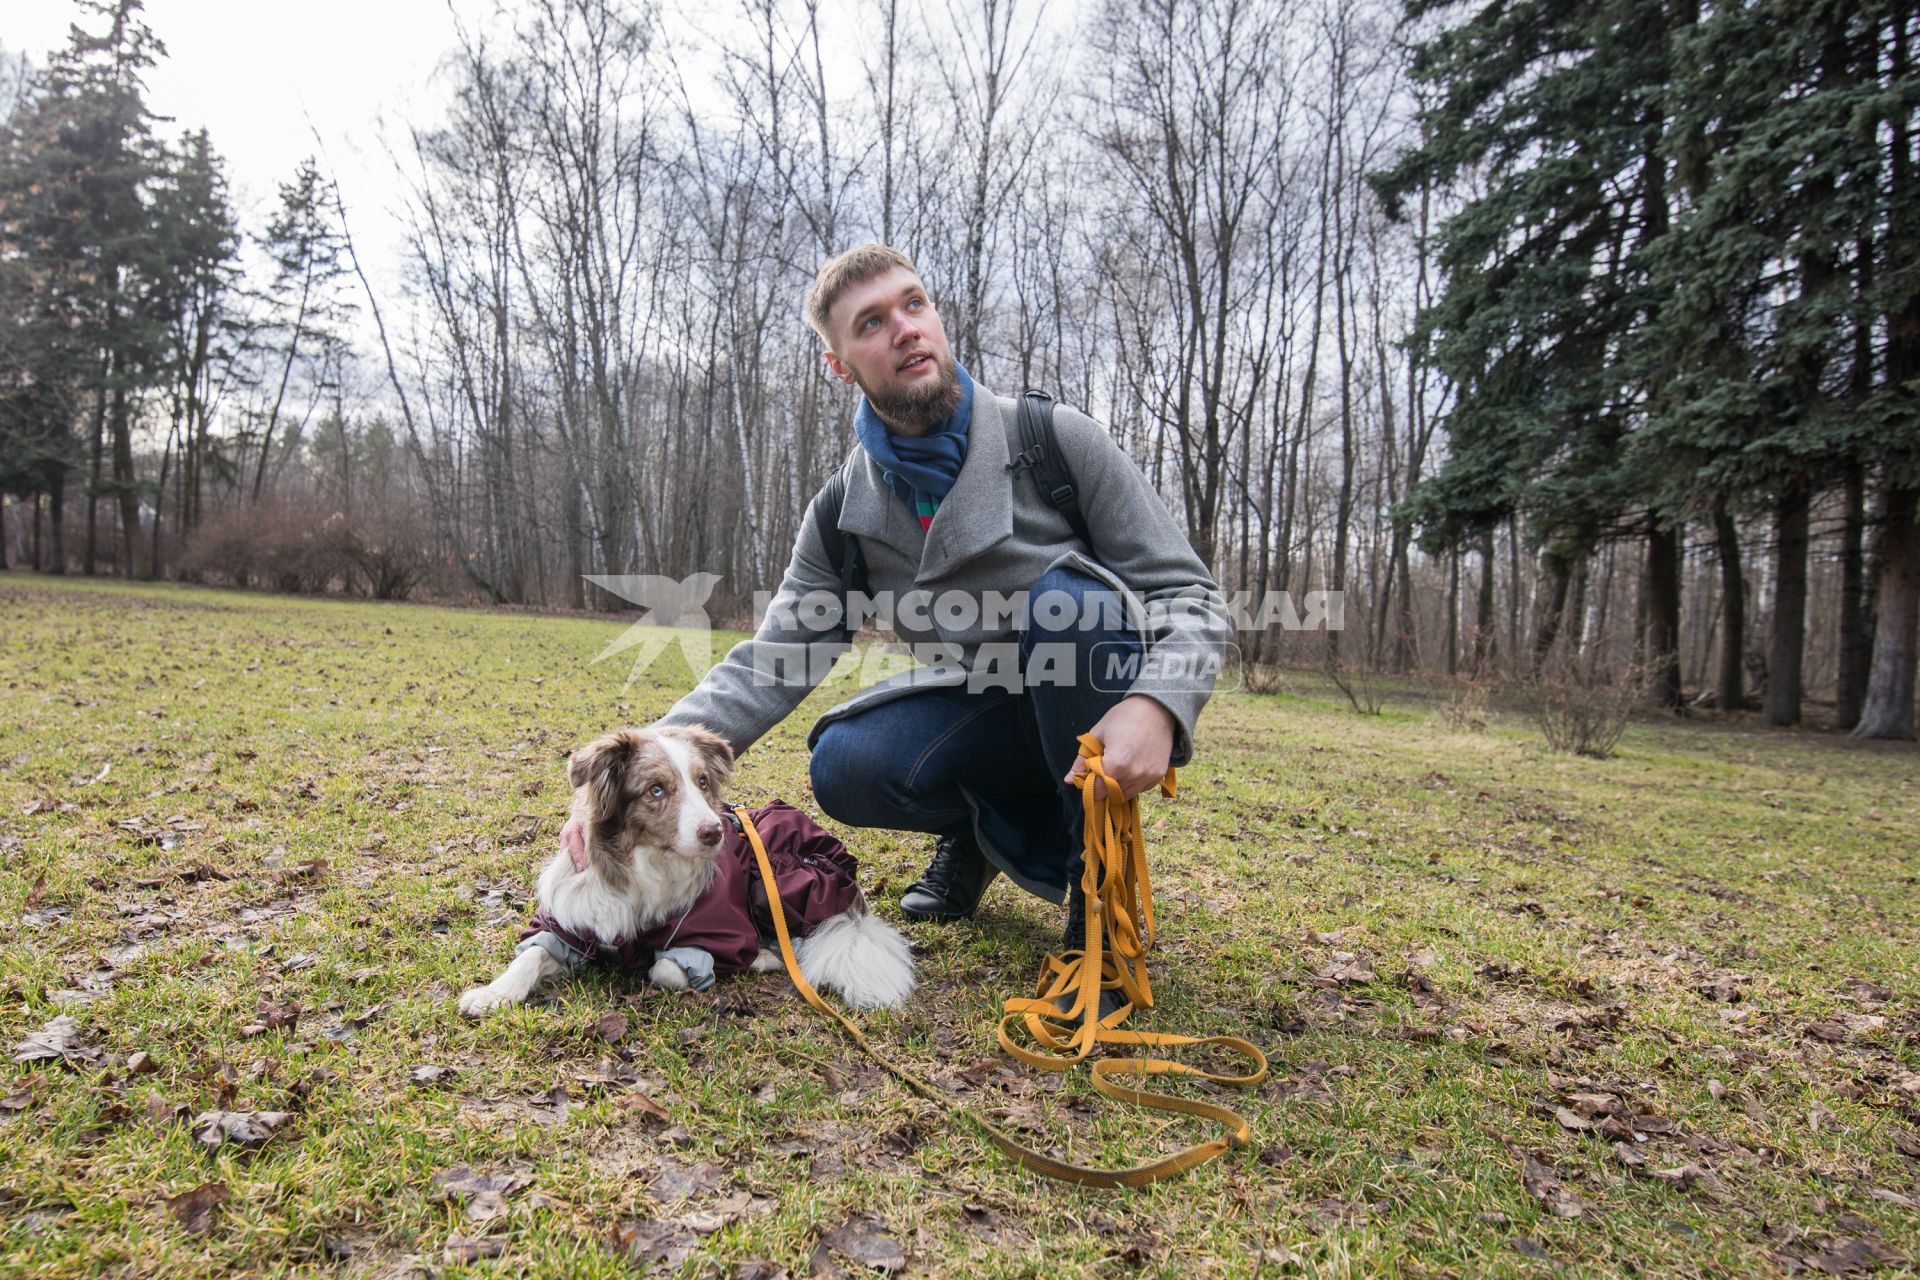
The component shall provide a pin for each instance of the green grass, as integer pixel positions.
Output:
(1540, 926)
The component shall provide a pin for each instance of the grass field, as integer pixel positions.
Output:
(1528, 1014)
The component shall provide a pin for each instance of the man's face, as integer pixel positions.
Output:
(889, 342)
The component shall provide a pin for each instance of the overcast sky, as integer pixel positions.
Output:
(265, 77)
(262, 77)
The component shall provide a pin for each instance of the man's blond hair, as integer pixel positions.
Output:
(855, 266)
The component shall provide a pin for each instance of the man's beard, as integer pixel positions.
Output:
(918, 409)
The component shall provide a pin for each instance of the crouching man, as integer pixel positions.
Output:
(1026, 634)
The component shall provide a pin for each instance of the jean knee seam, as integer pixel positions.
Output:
(913, 774)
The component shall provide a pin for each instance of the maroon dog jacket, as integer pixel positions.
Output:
(817, 879)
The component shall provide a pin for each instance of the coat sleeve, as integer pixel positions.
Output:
(761, 680)
(1137, 537)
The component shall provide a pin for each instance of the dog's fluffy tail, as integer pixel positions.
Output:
(860, 956)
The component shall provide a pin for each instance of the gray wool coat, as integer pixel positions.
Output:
(992, 532)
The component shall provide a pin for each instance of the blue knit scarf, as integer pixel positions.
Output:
(921, 469)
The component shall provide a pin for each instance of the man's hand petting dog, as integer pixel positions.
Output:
(1136, 741)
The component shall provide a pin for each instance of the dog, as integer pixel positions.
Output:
(665, 890)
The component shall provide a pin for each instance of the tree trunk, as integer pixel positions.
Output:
(1483, 610)
(1549, 630)
(126, 493)
(1888, 712)
(93, 471)
(1576, 619)
(1788, 643)
(1856, 619)
(1453, 612)
(1661, 640)
(56, 519)
(1733, 607)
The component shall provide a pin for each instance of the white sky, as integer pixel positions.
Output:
(261, 77)
(265, 75)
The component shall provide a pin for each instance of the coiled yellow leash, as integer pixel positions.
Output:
(1119, 932)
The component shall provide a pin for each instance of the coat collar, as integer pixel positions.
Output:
(975, 516)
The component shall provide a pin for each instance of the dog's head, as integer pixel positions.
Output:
(650, 792)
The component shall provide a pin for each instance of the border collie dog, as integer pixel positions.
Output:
(671, 887)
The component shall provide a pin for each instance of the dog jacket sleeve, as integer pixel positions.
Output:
(697, 963)
(576, 950)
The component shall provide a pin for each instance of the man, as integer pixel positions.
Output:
(1029, 637)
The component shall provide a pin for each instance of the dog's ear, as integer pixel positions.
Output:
(713, 751)
(601, 767)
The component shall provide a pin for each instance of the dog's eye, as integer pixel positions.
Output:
(703, 782)
(657, 791)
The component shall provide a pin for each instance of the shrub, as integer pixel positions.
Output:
(389, 548)
(302, 544)
(1581, 707)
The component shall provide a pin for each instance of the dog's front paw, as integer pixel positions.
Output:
(767, 962)
(666, 973)
(478, 1002)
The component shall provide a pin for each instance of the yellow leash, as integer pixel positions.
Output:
(1119, 932)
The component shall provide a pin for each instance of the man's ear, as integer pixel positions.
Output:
(837, 367)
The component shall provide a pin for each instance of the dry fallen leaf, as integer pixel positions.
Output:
(1571, 1121)
(637, 1101)
(862, 1241)
(1543, 1184)
(1726, 989)
(1690, 1175)
(278, 1015)
(195, 1208)
(466, 1249)
(1348, 969)
(666, 1243)
(60, 1039)
(484, 1194)
(612, 1026)
(245, 1129)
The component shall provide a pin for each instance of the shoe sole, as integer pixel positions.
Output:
(935, 917)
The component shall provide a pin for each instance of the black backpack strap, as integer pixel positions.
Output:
(1040, 455)
(843, 549)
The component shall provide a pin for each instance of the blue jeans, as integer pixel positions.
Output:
(946, 759)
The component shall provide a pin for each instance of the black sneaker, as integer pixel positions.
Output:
(953, 883)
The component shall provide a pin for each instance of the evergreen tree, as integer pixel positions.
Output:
(310, 266)
(196, 225)
(1773, 398)
(1555, 111)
